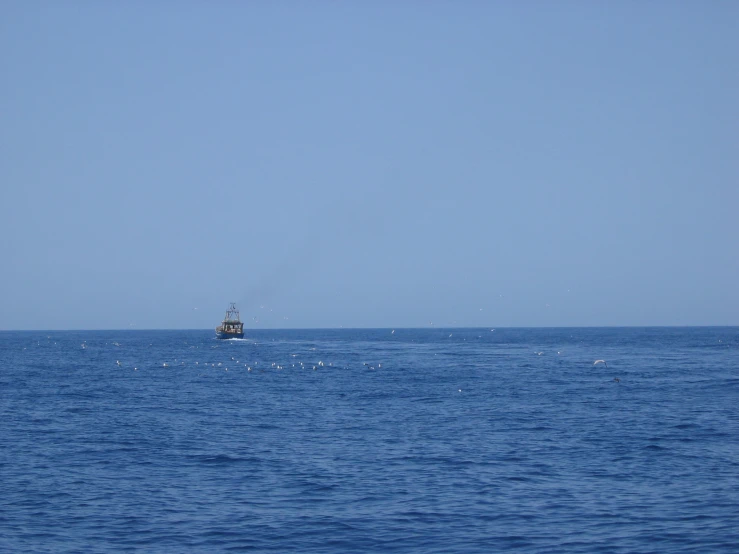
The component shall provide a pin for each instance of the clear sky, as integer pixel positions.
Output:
(369, 164)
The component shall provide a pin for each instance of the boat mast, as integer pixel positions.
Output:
(231, 312)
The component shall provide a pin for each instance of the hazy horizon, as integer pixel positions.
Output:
(369, 165)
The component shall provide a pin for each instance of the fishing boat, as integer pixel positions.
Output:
(231, 327)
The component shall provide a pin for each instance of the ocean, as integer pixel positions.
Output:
(412, 440)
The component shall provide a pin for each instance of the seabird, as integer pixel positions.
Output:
(596, 362)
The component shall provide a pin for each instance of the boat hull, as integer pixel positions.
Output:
(222, 335)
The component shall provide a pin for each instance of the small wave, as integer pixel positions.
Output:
(224, 459)
(656, 448)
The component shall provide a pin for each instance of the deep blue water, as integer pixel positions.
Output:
(463, 440)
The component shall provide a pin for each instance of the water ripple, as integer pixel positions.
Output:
(412, 441)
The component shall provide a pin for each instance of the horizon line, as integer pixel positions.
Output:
(378, 328)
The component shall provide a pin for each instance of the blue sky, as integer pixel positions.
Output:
(369, 164)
